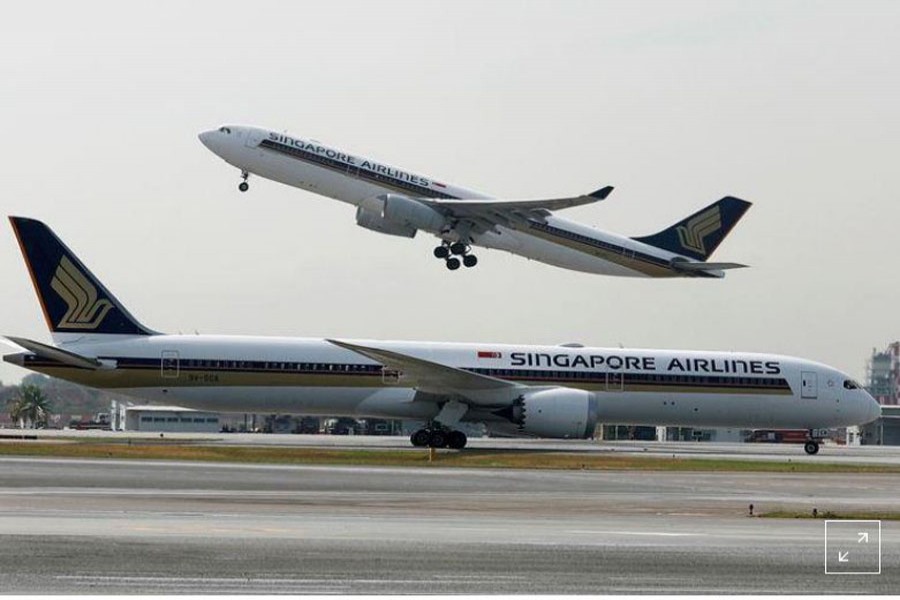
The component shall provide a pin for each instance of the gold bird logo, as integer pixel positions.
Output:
(85, 310)
(694, 232)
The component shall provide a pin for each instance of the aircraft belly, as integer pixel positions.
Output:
(544, 251)
(751, 411)
(394, 403)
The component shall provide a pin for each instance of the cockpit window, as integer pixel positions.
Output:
(849, 384)
(224, 129)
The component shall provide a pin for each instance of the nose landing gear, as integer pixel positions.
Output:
(244, 186)
(811, 446)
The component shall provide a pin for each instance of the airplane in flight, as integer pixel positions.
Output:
(542, 391)
(401, 203)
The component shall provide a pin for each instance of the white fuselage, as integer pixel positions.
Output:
(330, 172)
(314, 377)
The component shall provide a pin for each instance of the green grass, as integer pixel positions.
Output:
(827, 514)
(512, 459)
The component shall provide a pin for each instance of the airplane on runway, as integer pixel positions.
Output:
(541, 391)
(398, 202)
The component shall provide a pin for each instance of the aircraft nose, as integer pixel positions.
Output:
(874, 409)
(206, 138)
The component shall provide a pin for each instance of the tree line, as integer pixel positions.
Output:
(38, 398)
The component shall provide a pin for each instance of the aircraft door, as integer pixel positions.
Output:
(809, 385)
(168, 364)
(614, 381)
(254, 137)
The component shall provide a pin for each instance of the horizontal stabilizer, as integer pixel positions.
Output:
(54, 353)
(680, 265)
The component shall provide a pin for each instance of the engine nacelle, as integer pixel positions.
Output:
(374, 220)
(398, 215)
(401, 209)
(556, 413)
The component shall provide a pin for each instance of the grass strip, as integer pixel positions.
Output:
(827, 514)
(472, 458)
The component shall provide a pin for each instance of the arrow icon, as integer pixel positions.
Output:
(863, 537)
(843, 557)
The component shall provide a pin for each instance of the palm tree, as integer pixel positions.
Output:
(30, 405)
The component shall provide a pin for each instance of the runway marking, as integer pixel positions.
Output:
(308, 584)
(646, 533)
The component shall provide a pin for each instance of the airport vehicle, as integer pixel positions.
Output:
(786, 436)
(397, 202)
(543, 391)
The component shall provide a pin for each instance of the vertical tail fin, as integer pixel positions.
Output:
(73, 299)
(700, 234)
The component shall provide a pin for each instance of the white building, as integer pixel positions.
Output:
(170, 419)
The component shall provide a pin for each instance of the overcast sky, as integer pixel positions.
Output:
(793, 106)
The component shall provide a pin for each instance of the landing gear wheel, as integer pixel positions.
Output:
(441, 252)
(243, 186)
(420, 438)
(458, 248)
(470, 260)
(457, 440)
(438, 439)
(453, 264)
(811, 447)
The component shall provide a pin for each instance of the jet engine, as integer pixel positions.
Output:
(398, 215)
(555, 413)
(374, 220)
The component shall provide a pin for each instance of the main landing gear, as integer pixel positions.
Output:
(439, 437)
(449, 252)
(244, 186)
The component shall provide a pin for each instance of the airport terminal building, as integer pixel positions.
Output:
(170, 419)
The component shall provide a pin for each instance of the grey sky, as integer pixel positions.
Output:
(793, 106)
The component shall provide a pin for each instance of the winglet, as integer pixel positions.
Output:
(602, 193)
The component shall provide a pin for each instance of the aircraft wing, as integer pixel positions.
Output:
(489, 213)
(430, 376)
(57, 354)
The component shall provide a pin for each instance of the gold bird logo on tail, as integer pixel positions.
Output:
(694, 232)
(85, 310)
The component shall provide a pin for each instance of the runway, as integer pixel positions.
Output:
(98, 526)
